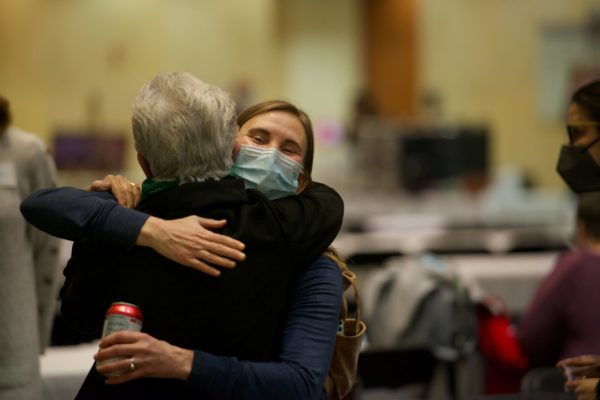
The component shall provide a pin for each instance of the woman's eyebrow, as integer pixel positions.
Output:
(259, 130)
(291, 141)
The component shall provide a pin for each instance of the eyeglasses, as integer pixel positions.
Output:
(575, 133)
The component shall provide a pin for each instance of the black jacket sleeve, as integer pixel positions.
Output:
(311, 220)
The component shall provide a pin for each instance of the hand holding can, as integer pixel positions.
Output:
(120, 316)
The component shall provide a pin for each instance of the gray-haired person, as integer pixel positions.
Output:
(240, 313)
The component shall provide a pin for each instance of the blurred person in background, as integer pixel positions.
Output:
(563, 319)
(29, 267)
(579, 161)
(579, 166)
(311, 314)
(363, 109)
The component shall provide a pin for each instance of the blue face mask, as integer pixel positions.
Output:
(267, 170)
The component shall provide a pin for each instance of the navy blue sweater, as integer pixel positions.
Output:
(310, 321)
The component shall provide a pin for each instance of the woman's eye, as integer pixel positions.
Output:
(258, 139)
(290, 151)
(574, 134)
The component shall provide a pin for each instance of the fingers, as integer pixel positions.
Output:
(586, 389)
(202, 267)
(110, 355)
(122, 370)
(583, 388)
(579, 361)
(220, 254)
(228, 246)
(562, 363)
(126, 193)
(566, 361)
(103, 185)
(579, 367)
(215, 254)
(98, 186)
(122, 337)
(216, 249)
(216, 260)
(210, 223)
(221, 239)
(115, 354)
(571, 385)
(581, 372)
(136, 194)
(187, 242)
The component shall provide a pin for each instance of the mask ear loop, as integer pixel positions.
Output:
(587, 147)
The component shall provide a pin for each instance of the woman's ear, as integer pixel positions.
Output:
(145, 165)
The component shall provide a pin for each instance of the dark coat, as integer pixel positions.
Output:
(237, 314)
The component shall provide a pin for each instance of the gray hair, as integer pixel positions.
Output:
(184, 128)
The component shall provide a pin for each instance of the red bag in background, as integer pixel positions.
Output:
(505, 363)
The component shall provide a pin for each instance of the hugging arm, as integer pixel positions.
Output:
(307, 344)
(96, 218)
(89, 217)
(299, 373)
(311, 220)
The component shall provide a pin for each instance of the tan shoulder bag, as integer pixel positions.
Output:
(342, 372)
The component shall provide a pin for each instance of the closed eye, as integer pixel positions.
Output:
(291, 151)
(291, 148)
(259, 136)
(258, 139)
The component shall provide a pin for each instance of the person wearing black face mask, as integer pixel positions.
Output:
(579, 161)
(579, 166)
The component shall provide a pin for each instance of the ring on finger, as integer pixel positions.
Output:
(131, 364)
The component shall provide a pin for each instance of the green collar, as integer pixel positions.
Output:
(150, 186)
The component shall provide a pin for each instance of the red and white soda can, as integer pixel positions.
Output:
(121, 316)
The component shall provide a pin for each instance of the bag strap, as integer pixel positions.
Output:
(349, 279)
